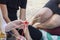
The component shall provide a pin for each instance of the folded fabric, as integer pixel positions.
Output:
(48, 36)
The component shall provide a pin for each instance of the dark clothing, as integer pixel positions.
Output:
(53, 5)
(13, 6)
(55, 31)
(34, 33)
(12, 14)
(22, 3)
(58, 1)
(2, 1)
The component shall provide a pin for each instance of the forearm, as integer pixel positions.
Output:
(16, 34)
(27, 35)
(6, 19)
(22, 14)
(12, 25)
(11, 28)
(5, 13)
(59, 5)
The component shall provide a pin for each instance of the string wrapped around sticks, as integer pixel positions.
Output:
(25, 23)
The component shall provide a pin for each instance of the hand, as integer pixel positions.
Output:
(14, 24)
(20, 38)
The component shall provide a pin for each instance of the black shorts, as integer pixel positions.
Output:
(53, 6)
(34, 33)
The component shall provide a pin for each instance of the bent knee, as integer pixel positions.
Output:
(45, 14)
(45, 11)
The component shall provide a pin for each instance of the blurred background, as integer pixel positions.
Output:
(32, 7)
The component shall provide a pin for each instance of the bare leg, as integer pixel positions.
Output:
(53, 22)
(32, 33)
(43, 15)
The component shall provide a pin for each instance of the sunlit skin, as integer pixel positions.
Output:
(59, 5)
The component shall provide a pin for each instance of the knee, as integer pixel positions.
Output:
(45, 14)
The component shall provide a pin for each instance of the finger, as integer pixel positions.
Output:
(18, 21)
(22, 26)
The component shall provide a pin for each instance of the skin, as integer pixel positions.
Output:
(4, 12)
(15, 24)
(6, 18)
(22, 16)
(40, 26)
(53, 22)
(47, 20)
(59, 5)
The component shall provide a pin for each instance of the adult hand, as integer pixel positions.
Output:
(14, 24)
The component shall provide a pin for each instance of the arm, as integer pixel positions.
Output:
(32, 33)
(23, 4)
(22, 14)
(5, 16)
(13, 24)
(27, 35)
(5, 13)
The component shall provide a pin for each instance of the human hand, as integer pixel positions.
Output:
(14, 24)
(20, 38)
